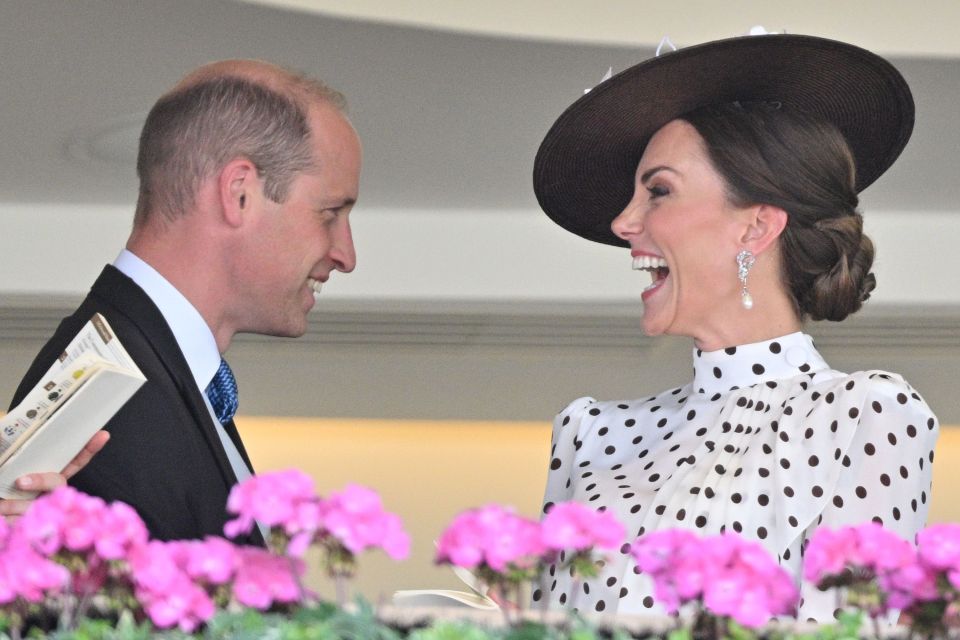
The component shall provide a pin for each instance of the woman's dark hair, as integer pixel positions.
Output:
(770, 154)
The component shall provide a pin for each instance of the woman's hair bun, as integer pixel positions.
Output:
(845, 284)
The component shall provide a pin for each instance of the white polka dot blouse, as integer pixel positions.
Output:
(767, 441)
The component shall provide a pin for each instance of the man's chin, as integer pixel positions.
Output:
(292, 328)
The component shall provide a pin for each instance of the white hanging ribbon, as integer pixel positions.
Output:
(665, 42)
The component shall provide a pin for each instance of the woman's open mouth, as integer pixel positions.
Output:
(656, 267)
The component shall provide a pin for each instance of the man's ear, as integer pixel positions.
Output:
(764, 225)
(238, 185)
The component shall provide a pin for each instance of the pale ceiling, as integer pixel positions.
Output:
(448, 119)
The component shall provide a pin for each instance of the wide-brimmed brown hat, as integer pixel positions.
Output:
(584, 171)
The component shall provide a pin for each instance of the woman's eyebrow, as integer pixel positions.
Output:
(649, 173)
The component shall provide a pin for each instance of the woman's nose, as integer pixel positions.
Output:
(628, 223)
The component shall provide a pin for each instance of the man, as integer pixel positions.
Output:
(247, 176)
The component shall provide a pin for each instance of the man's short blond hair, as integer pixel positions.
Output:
(218, 113)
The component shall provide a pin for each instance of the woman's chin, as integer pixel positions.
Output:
(651, 325)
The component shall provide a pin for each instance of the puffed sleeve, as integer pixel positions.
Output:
(563, 449)
(888, 470)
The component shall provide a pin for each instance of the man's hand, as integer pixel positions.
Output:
(45, 482)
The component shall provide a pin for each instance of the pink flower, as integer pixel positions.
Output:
(868, 547)
(356, 518)
(119, 531)
(154, 566)
(185, 605)
(829, 552)
(211, 561)
(263, 579)
(733, 576)
(906, 585)
(747, 583)
(26, 574)
(494, 537)
(69, 520)
(656, 551)
(64, 519)
(881, 550)
(168, 593)
(281, 499)
(939, 546)
(571, 526)
(85, 528)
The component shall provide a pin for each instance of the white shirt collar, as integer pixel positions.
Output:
(749, 364)
(193, 336)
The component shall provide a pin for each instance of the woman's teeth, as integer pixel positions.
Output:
(316, 285)
(648, 263)
(655, 266)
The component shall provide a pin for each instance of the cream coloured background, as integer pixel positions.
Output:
(428, 471)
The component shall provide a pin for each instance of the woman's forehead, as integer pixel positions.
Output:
(673, 145)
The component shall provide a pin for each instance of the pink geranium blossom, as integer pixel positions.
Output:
(26, 574)
(939, 546)
(909, 584)
(284, 500)
(165, 591)
(571, 526)
(83, 532)
(491, 537)
(355, 517)
(937, 557)
(263, 578)
(732, 576)
(71, 521)
(867, 549)
(121, 529)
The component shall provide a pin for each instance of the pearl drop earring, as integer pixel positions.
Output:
(745, 262)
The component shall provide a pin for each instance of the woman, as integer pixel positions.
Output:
(744, 158)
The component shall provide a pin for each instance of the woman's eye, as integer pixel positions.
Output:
(657, 191)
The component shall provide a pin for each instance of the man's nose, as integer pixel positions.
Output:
(343, 253)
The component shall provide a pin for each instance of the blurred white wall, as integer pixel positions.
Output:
(462, 255)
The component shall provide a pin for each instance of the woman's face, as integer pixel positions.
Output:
(685, 234)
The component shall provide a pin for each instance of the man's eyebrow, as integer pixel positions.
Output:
(336, 203)
(649, 173)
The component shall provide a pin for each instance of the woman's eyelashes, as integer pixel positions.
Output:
(657, 191)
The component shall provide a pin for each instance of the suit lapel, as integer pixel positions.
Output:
(231, 430)
(122, 293)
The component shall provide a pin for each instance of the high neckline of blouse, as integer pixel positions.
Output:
(749, 364)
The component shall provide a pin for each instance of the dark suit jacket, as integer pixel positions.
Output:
(164, 457)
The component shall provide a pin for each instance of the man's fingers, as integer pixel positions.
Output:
(42, 482)
(14, 507)
(94, 445)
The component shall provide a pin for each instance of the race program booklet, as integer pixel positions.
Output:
(81, 391)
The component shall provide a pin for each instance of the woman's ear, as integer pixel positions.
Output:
(764, 226)
(237, 185)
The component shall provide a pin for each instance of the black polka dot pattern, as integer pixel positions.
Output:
(767, 441)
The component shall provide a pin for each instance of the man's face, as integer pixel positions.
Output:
(297, 243)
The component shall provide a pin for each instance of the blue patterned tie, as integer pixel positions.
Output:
(222, 392)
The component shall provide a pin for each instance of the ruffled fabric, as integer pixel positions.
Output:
(767, 441)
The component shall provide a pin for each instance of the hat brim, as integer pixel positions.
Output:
(584, 170)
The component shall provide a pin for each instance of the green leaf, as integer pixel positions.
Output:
(528, 631)
(737, 631)
(450, 631)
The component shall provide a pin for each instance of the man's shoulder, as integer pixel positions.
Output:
(137, 324)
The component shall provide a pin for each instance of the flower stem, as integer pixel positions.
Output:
(340, 584)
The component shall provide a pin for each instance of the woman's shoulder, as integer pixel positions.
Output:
(588, 407)
(875, 393)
